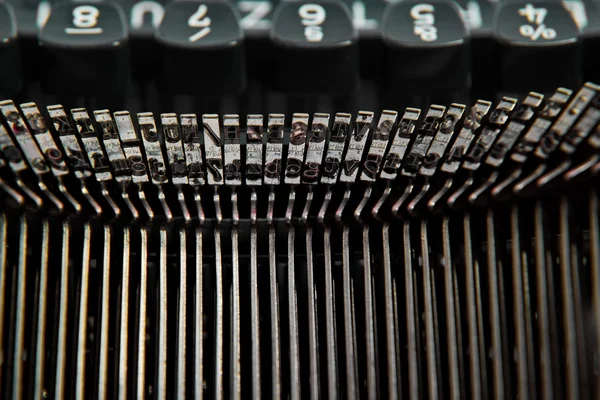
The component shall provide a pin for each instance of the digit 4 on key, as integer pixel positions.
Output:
(538, 46)
(535, 28)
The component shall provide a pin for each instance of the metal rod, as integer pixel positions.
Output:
(371, 335)
(381, 201)
(93, 203)
(275, 331)
(40, 346)
(472, 323)
(199, 319)
(83, 315)
(17, 382)
(16, 196)
(332, 366)
(413, 370)
(459, 335)
(492, 265)
(595, 265)
(307, 204)
(407, 192)
(184, 209)
(518, 304)
(3, 302)
(433, 201)
(165, 205)
(293, 318)
(349, 330)
(363, 203)
(57, 203)
(254, 300)
(61, 345)
(124, 318)
(104, 319)
(236, 371)
(313, 338)
(339, 213)
(390, 311)
(528, 307)
(579, 328)
(110, 201)
(290, 206)
(570, 335)
(145, 204)
(324, 205)
(182, 316)
(39, 203)
(544, 330)
(412, 205)
(453, 364)
(432, 382)
(161, 381)
(135, 215)
(143, 306)
(436, 330)
(219, 331)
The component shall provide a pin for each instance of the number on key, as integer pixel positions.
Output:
(87, 49)
(202, 48)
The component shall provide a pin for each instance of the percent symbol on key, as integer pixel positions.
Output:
(535, 28)
(537, 32)
(199, 19)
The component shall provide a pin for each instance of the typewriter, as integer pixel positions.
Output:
(334, 199)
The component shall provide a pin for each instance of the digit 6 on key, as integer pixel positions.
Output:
(313, 16)
(315, 45)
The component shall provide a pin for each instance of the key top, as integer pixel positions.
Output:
(538, 47)
(479, 19)
(203, 48)
(29, 17)
(427, 46)
(144, 17)
(86, 49)
(316, 48)
(10, 58)
(591, 43)
(478, 16)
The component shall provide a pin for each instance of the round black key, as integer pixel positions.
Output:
(591, 42)
(315, 48)
(538, 47)
(30, 15)
(202, 49)
(144, 17)
(427, 46)
(10, 57)
(86, 49)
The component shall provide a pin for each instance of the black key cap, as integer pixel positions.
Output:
(591, 43)
(315, 48)
(256, 16)
(10, 58)
(30, 16)
(144, 17)
(86, 49)
(256, 20)
(427, 47)
(538, 47)
(202, 49)
(367, 16)
(479, 19)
